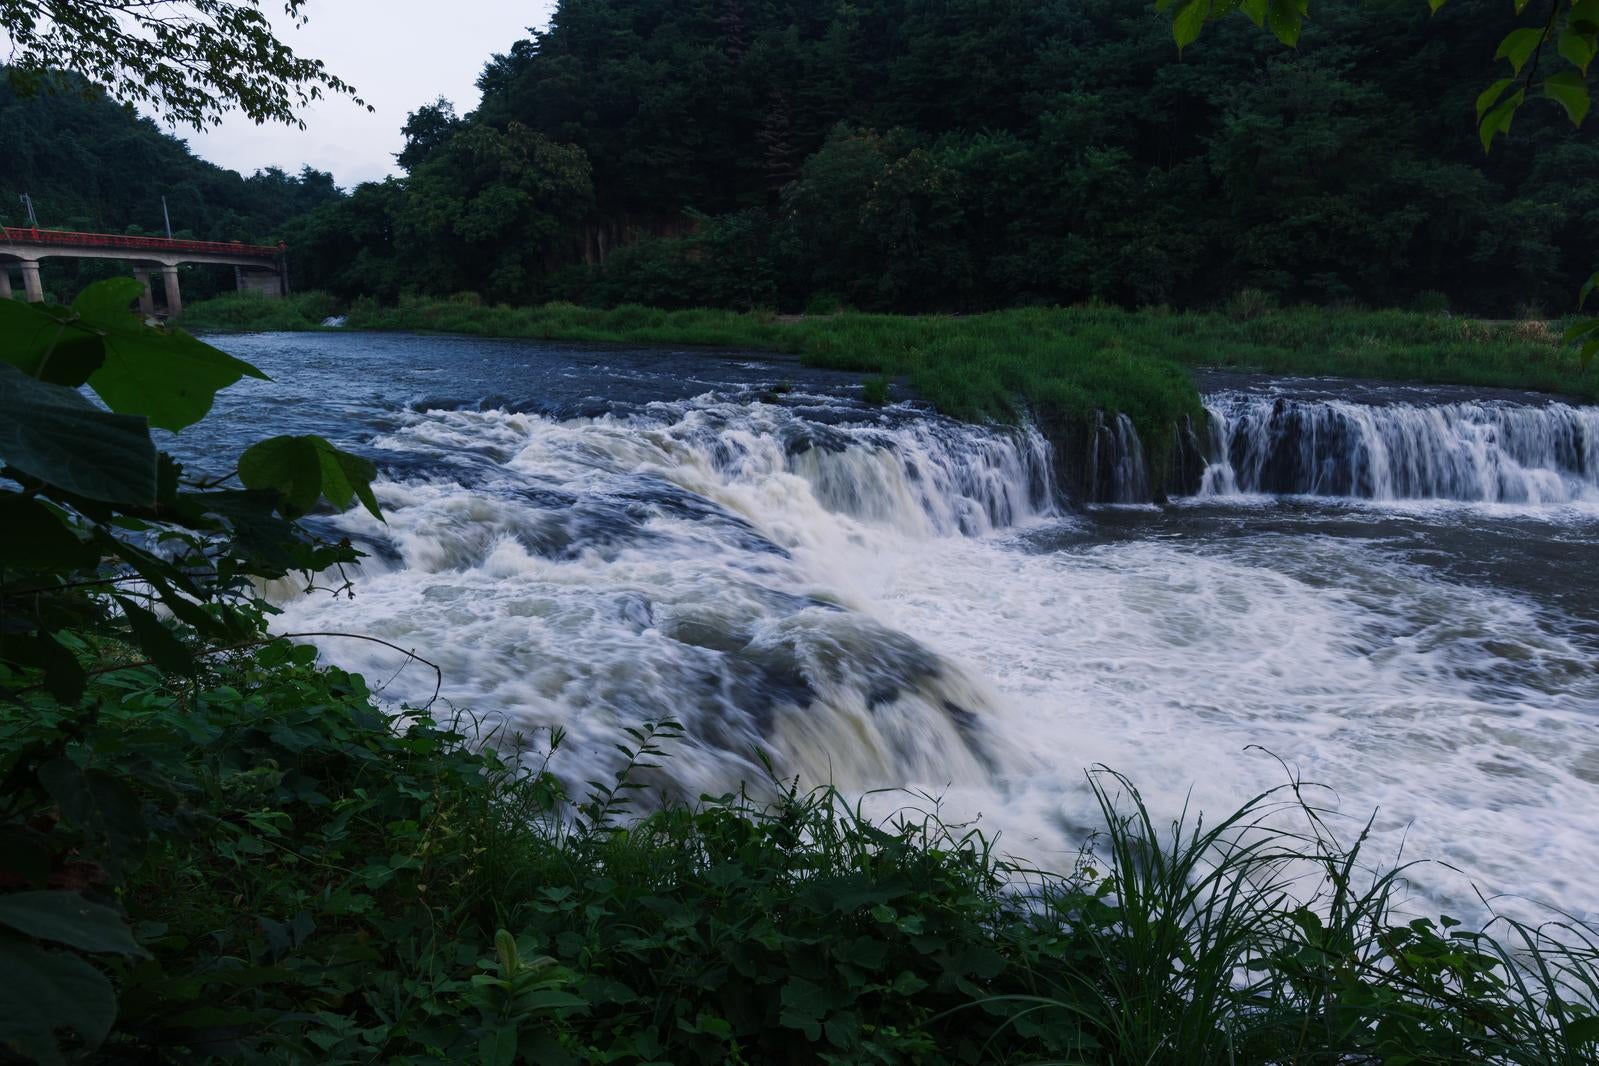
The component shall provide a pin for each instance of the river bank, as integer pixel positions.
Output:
(1061, 365)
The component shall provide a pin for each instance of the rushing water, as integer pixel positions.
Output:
(592, 537)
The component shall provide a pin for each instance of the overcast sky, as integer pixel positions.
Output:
(400, 54)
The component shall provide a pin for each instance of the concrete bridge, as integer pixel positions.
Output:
(257, 268)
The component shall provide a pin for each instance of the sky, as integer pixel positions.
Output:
(399, 54)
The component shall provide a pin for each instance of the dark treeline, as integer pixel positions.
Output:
(917, 155)
(912, 155)
(90, 164)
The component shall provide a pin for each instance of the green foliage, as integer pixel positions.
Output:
(102, 532)
(310, 880)
(189, 61)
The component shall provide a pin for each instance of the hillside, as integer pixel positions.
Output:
(975, 154)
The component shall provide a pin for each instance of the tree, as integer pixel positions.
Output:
(190, 61)
(1571, 28)
(427, 129)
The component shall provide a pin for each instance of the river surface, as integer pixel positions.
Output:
(1391, 590)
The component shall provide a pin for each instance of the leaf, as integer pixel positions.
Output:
(306, 468)
(1578, 49)
(49, 990)
(1498, 120)
(56, 435)
(498, 1048)
(170, 378)
(1486, 99)
(1189, 21)
(39, 538)
(1519, 45)
(1255, 11)
(42, 342)
(1287, 18)
(67, 918)
(105, 302)
(1587, 289)
(155, 639)
(1434, 5)
(63, 674)
(1572, 92)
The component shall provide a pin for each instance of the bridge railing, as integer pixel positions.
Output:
(131, 243)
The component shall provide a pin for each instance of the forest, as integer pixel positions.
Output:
(899, 155)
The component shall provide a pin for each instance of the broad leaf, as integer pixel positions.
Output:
(157, 642)
(55, 434)
(306, 468)
(50, 990)
(39, 538)
(1189, 21)
(1569, 88)
(170, 378)
(67, 918)
(1519, 45)
(1498, 120)
(1287, 18)
(41, 342)
(1578, 49)
(1486, 98)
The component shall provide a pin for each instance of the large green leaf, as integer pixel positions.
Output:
(155, 639)
(49, 990)
(306, 468)
(1519, 45)
(169, 377)
(67, 918)
(1569, 88)
(56, 435)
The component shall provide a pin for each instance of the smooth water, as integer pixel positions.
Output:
(589, 538)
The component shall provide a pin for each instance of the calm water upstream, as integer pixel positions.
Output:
(1392, 589)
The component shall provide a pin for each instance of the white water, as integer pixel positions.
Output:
(902, 604)
(1493, 452)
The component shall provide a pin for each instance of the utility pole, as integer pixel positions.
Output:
(166, 217)
(27, 202)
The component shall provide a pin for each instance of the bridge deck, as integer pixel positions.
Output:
(66, 240)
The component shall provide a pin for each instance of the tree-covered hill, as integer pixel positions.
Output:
(91, 164)
(917, 155)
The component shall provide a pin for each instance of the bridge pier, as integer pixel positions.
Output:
(5, 281)
(146, 299)
(30, 281)
(169, 283)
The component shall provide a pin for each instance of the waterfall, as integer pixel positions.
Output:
(712, 560)
(1496, 452)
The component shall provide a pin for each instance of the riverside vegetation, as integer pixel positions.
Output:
(216, 849)
(1060, 366)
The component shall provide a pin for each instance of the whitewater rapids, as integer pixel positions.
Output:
(881, 600)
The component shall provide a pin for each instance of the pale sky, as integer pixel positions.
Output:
(399, 54)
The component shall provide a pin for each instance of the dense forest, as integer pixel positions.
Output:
(916, 155)
(962, 154)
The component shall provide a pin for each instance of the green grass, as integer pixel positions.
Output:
(1058, 365)
(315, 882)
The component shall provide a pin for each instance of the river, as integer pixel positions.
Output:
(1390, 589)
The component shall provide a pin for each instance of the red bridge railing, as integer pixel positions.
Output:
(149, 244)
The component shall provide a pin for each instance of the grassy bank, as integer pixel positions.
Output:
(980, 366)
(309, 881)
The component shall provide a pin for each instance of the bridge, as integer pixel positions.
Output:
(258, 268)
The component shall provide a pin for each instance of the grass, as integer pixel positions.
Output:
(313, 881)
(978, 366)
(1059, 366)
